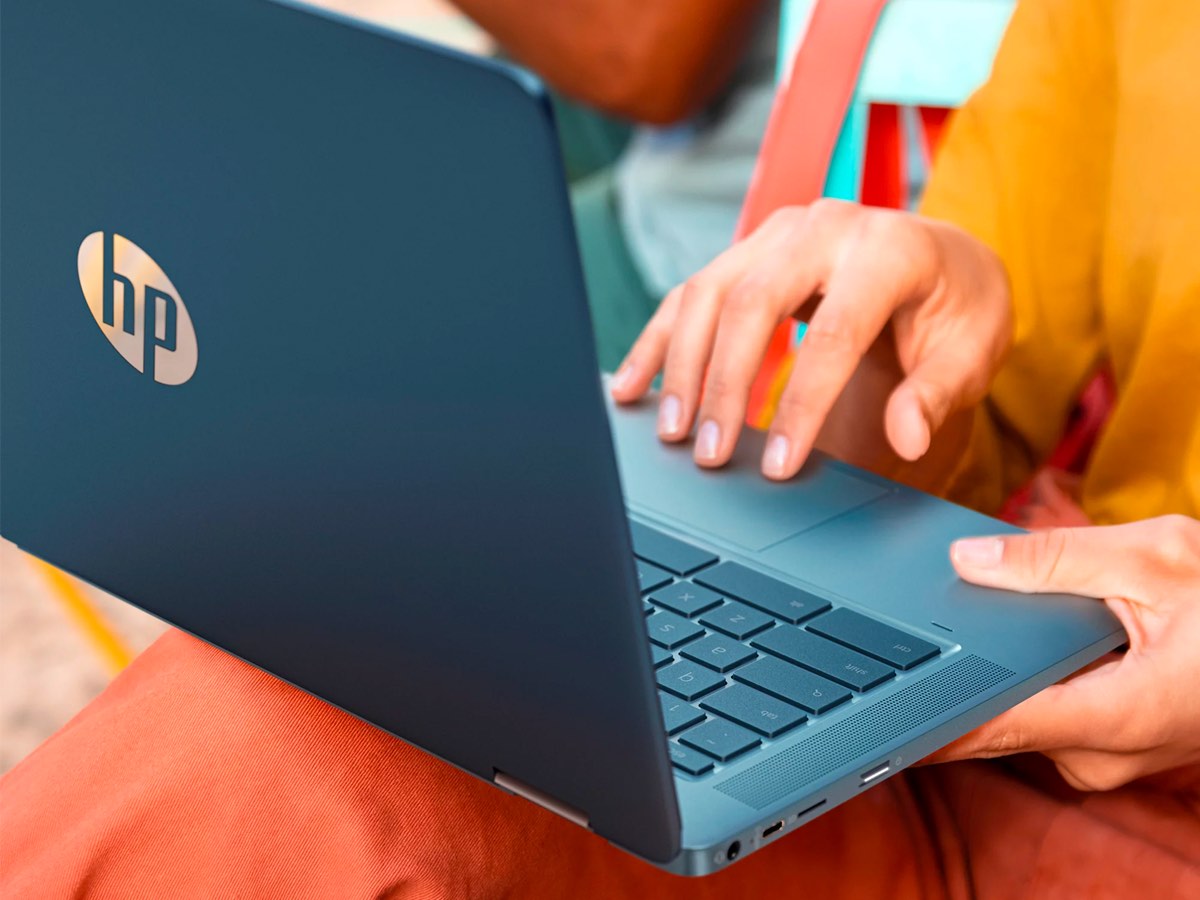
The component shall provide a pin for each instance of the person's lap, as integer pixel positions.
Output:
(197, 774)
(203, 775)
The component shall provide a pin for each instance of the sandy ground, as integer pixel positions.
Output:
(48, 668)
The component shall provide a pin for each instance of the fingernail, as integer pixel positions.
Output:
(978, 553)
(776, 458)
(669, 411)
(621, 379)
(708, 438)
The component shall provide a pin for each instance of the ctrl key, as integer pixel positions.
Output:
(688, 760)
(720, 739)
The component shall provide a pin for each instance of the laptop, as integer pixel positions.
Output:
(296, 355)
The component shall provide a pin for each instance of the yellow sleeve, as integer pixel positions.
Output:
(1025, 168)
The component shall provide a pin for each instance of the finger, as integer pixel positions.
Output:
(645, 358)
(1091, 770)
(878, 270)
(743, 333)
(987, 736)
(648, 355)
(769, 257)
(795, 257)
(1089, 711)
(1096, 562)
(688, 353)
(940, 385)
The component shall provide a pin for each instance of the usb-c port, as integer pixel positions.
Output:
(771, 829)
(875, 773)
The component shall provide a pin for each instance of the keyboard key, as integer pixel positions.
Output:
(754, 709)
(646, 607)
(824, 657)
(769, 594)
(651, 577)
(689, 760)
(718, 652)
(899, 648)
(678, 715)
(720, 739)
(686, 598)
(669, 630)
(670, 553)
(659, 656)
(737, 620)
(688, 680)
(793, 684)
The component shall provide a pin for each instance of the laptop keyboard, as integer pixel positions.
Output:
(741, 657)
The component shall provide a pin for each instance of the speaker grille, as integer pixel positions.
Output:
(863, 732)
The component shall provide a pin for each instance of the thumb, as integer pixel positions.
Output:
(1095, 562)
(938, 387)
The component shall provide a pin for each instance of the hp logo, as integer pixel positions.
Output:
(137, 307)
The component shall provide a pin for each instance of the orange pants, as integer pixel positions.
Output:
(196, 775)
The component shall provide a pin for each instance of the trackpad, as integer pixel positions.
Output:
(734, 504)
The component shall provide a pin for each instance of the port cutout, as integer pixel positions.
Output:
(772, 829)
(808, 809)
(875, 773)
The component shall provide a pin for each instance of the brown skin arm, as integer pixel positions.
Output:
(652, 61)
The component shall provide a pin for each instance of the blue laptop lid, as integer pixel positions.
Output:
(295, 355)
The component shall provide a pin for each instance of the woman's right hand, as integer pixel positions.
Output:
(920, 301)
(1130, 714)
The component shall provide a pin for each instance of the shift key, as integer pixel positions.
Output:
(793, 684)
(823, 657)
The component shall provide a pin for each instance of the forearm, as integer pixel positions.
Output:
(653, 61)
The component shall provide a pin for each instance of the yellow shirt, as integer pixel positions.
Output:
(1079, 163)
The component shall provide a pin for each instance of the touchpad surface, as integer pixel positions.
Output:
(736, 503)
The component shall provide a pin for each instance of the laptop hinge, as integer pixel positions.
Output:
(541, 798)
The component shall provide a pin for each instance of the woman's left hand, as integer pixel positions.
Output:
(1132, 714)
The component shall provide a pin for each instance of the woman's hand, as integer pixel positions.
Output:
(1132, 714)
(936, 297)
